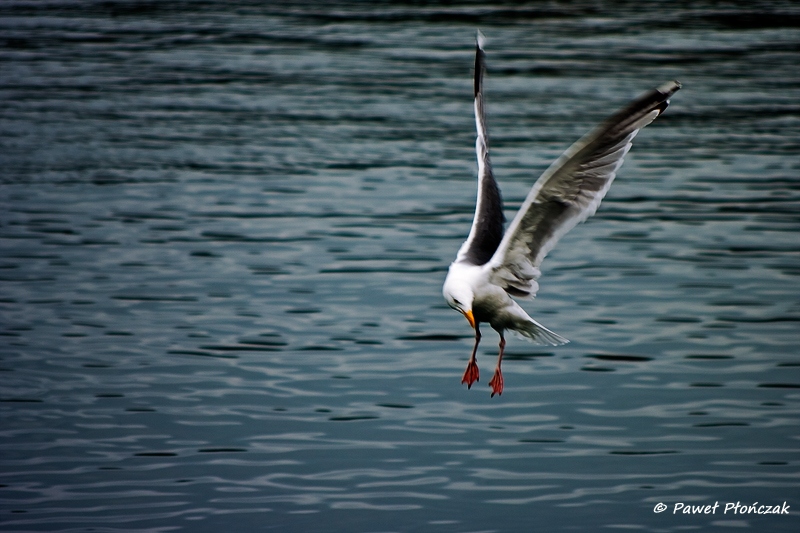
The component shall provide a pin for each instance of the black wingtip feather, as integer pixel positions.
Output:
(480, 64)
(667, 89)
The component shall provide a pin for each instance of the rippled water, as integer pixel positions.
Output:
(224, 228)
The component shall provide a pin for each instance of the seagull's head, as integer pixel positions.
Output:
(459, 296)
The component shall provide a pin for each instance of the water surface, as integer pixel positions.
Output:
(224, 229)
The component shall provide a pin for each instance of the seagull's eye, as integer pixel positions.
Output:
(456, 302)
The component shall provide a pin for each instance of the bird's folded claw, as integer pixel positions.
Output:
(497, 382)
(471, 374)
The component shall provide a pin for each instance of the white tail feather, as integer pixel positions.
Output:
(538, 334)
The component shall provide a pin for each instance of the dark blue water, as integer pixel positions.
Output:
(224, 228)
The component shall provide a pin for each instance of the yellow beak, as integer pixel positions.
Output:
(469, 317)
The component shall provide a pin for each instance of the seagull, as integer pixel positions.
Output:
(492, 265)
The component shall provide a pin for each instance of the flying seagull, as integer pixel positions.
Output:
(493, 265)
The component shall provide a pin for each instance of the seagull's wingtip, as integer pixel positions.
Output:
(669, 88)
(480, 39)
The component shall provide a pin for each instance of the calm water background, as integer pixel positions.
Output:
(224, 228)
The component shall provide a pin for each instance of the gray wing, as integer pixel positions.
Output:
(487, 225)
(569, 192)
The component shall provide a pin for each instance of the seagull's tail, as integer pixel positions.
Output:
(539, 334)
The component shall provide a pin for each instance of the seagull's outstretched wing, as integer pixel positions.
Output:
(487, 226)
(569, 192)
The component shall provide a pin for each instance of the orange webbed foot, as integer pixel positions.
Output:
(471, 374)
(497, 383)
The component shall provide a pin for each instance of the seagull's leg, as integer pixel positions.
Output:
(497, 380)
(471, 373)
